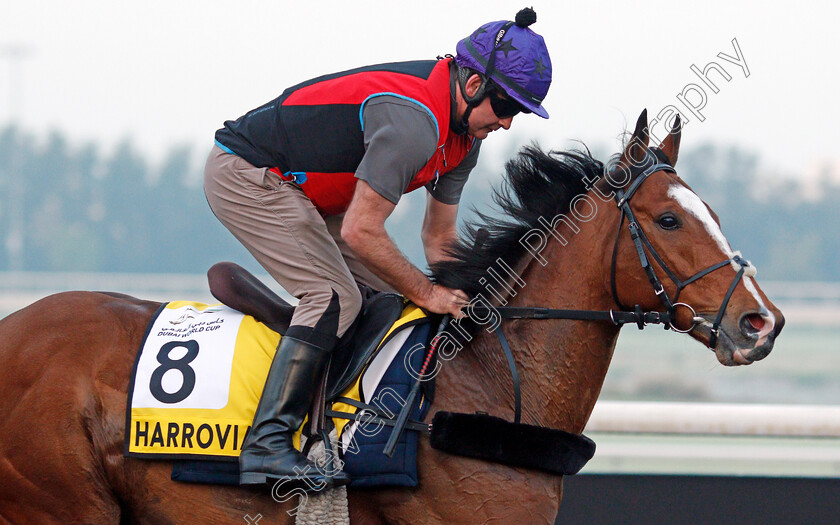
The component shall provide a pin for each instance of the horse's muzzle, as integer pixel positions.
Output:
(748, 339)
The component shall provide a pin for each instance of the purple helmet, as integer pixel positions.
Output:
(513, 56)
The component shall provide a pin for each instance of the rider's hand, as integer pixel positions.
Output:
(443, 300)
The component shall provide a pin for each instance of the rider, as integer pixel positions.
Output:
(307, 180)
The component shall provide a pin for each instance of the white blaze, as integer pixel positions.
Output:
(693, 205)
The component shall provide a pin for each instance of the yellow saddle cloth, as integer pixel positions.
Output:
(198, 379)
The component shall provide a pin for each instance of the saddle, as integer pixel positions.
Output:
(356, 350)
(237, 288)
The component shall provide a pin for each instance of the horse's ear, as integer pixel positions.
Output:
(636, 150)
(671, 145)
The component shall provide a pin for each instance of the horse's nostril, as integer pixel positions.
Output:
(752, 324)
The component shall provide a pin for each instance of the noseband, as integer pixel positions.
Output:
(656, 161)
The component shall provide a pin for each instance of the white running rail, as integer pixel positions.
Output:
(715, 419)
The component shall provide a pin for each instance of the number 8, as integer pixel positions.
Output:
(181, 365)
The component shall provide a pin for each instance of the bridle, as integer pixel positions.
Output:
(655, 161)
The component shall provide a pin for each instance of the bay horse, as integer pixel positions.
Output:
(65, 360)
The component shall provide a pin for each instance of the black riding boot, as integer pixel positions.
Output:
(268, 454)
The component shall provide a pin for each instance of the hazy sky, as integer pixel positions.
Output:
(170, 72)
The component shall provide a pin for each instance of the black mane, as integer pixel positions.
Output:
(537, 184)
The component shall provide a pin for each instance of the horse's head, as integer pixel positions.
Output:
(700, 279)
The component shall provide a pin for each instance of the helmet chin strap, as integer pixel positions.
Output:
(455, 125)
(461, 126)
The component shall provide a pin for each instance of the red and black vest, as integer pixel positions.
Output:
(313, 132)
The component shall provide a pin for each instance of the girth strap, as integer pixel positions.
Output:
(402, 417)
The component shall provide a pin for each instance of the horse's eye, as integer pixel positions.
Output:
(668, 222)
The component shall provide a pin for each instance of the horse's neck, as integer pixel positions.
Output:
(561, 364)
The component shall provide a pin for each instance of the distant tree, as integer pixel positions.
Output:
(189, 238)
(60, 188)
(66, 208)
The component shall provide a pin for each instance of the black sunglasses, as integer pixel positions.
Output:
(503, 107)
